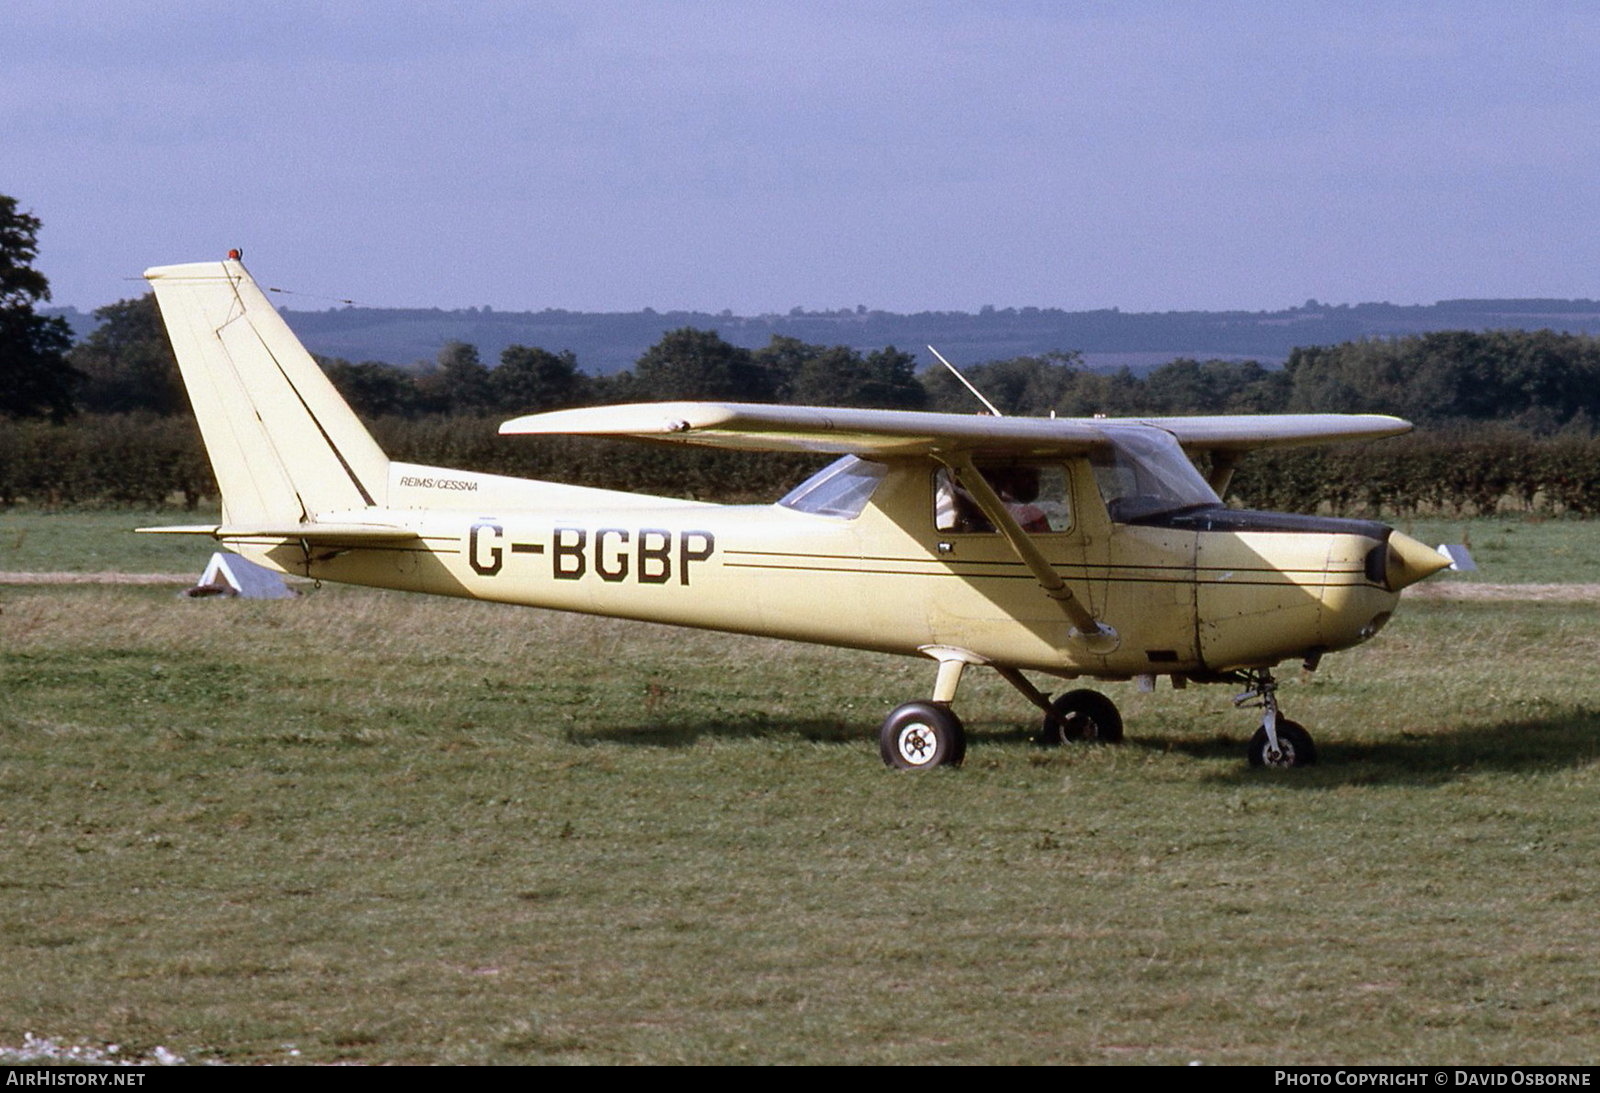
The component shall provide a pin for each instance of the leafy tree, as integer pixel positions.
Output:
(889, 380)
(35, 378)
(783, 359)
(128, 363)
(1215, 387)
(1357, 377)
(530, 379)
(698, 364)
(461, 383)
(836, 376)
(374, 389)
(1053, 382)
(814, 375)
(1537, 380)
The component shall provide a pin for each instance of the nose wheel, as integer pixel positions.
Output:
(1294, 749)
(1279, 742)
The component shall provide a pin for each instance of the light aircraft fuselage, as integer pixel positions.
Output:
(1187, 600)
(1072, 547)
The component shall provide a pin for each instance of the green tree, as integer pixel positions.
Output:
(461, 383)
(815, 375)
(35, 378)
(1036, 386)
(530, 379)
(889, 380)
(373, 388)
(1186, 386)
(1538, 380)
(783, 359)
(697, 364)
(128, 363)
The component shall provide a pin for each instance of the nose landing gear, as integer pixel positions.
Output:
(1279, 742)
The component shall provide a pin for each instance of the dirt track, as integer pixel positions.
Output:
(175, 579)
(1463, 590)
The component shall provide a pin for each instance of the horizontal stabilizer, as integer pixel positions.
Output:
(310, 533)
(886, 433)
(181, 529)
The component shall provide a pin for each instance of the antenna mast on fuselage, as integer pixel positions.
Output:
(966, 382)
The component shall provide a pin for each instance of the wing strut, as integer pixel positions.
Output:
(1223, 463)
(1097, 636)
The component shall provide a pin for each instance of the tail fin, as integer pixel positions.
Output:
(285, 447)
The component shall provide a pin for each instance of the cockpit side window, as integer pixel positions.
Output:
(1036, 494)
(842, 488)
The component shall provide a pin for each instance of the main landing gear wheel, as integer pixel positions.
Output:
(922, 735)
(1295, 748)
(1082, 715)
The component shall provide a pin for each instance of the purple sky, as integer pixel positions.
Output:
(761, 156)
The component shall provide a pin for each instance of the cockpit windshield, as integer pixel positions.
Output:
(1144, 474)
(842, 488)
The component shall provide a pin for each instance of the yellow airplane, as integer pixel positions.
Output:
(1070, 547)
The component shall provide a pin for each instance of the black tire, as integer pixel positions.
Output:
(921, 736)
(1082, 715)
(1294, 743)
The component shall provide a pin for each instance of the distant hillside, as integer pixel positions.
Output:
(610, 342)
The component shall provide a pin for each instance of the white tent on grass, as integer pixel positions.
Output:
(230, 575)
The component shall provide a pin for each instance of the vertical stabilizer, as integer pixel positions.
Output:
(285, 447)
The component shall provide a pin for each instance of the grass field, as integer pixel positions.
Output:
(1518, 549)
(366, 827)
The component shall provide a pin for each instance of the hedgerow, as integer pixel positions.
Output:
(146, 460)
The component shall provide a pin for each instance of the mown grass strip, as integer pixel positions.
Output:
(377, 828)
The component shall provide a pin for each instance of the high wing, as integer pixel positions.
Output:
(887, 433)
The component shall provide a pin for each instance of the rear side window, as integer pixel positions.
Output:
(842, 488)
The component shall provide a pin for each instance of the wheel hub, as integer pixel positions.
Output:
(917, 744)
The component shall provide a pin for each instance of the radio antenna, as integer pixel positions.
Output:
(977, 394)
